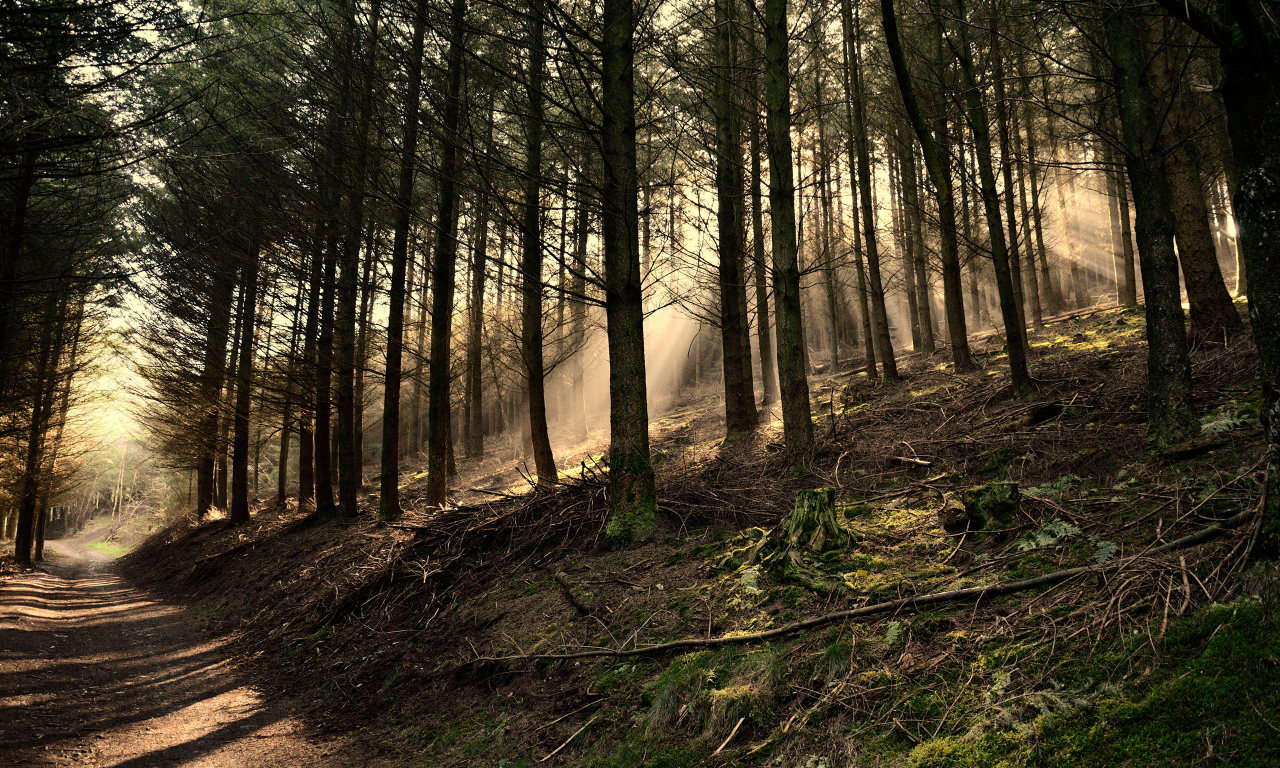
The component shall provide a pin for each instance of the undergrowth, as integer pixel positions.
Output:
(941, 482)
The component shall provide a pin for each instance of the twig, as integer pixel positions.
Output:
(571, 738)
(571, 714)
(733, 733)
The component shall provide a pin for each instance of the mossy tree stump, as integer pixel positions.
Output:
(812, 530)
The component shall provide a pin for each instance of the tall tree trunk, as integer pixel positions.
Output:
(1123, 282)
(828, 251)
(307, 406)
(1130, 298)
(577, 410)
(326, 507)
(1051, 299)
(1015, 333)
(286, 411)
(861, 144)
(864, 305)
(735, 346)
(631, 485)
(1032, 295)
(906, 244)
(389, 475)
(1066, 196)
(442, 273)
(764, 335)
(422, 357)
(797, 423)
(227, 418)
(44, 375)
(1213, 315)
(1170, 417)
(475, 307)
(531, 342)
(212, 374)
(911, 182)
(239, 511)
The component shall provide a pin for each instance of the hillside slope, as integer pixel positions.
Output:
(406, 635)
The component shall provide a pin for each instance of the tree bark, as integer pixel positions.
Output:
(1170, 417)
(631, 482)
(797, 423)
(475, 307)
(1250, 54)
(1213, 315)
(389, 474)
(862, 149)
(442, 274)
(1123, 284)
(44, 373)
(764, 335)
(1015, 333)
(531, 341)
(239, 511)
(735, 344)
(326, 507)
(212, 373)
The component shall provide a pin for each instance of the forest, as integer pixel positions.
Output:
(807, 383)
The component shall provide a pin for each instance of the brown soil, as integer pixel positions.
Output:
(94, 672)
(392, 630)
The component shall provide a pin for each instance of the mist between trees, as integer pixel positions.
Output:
(334, 240)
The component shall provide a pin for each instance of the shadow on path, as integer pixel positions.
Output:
(93, 672)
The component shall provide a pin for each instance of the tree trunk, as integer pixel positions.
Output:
(632, 500)
(735, 346)
(911, 182)
(1032, 294)
(797, 423)
(1015, 333)
(531, 342)
(475, 308)
(1250, 53)
(864, 306)
(764, 336)
(861, 143)
(1126, 233)
(1170, 417)
(576, 418)
(389, 475)
(212, 374)
(1123, 284)
(239, 511)
(442, 274)
(227, 418)
(1051, 298)
(906, 244)
(326, 508)
(1213, 315)
(44, 373)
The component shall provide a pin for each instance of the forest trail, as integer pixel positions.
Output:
(96, 673)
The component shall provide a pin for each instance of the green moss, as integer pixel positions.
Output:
(992, 504)
(637, 524)
(1211, 703)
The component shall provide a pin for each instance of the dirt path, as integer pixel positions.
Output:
(93, 672)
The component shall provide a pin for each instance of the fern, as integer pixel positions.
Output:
(1048, 535)
(1217, 423)
(1057, 487)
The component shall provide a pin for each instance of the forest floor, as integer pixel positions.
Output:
(420, 640)
(96, 673)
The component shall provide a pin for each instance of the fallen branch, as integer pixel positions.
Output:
(901, 605)
(571, 738)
